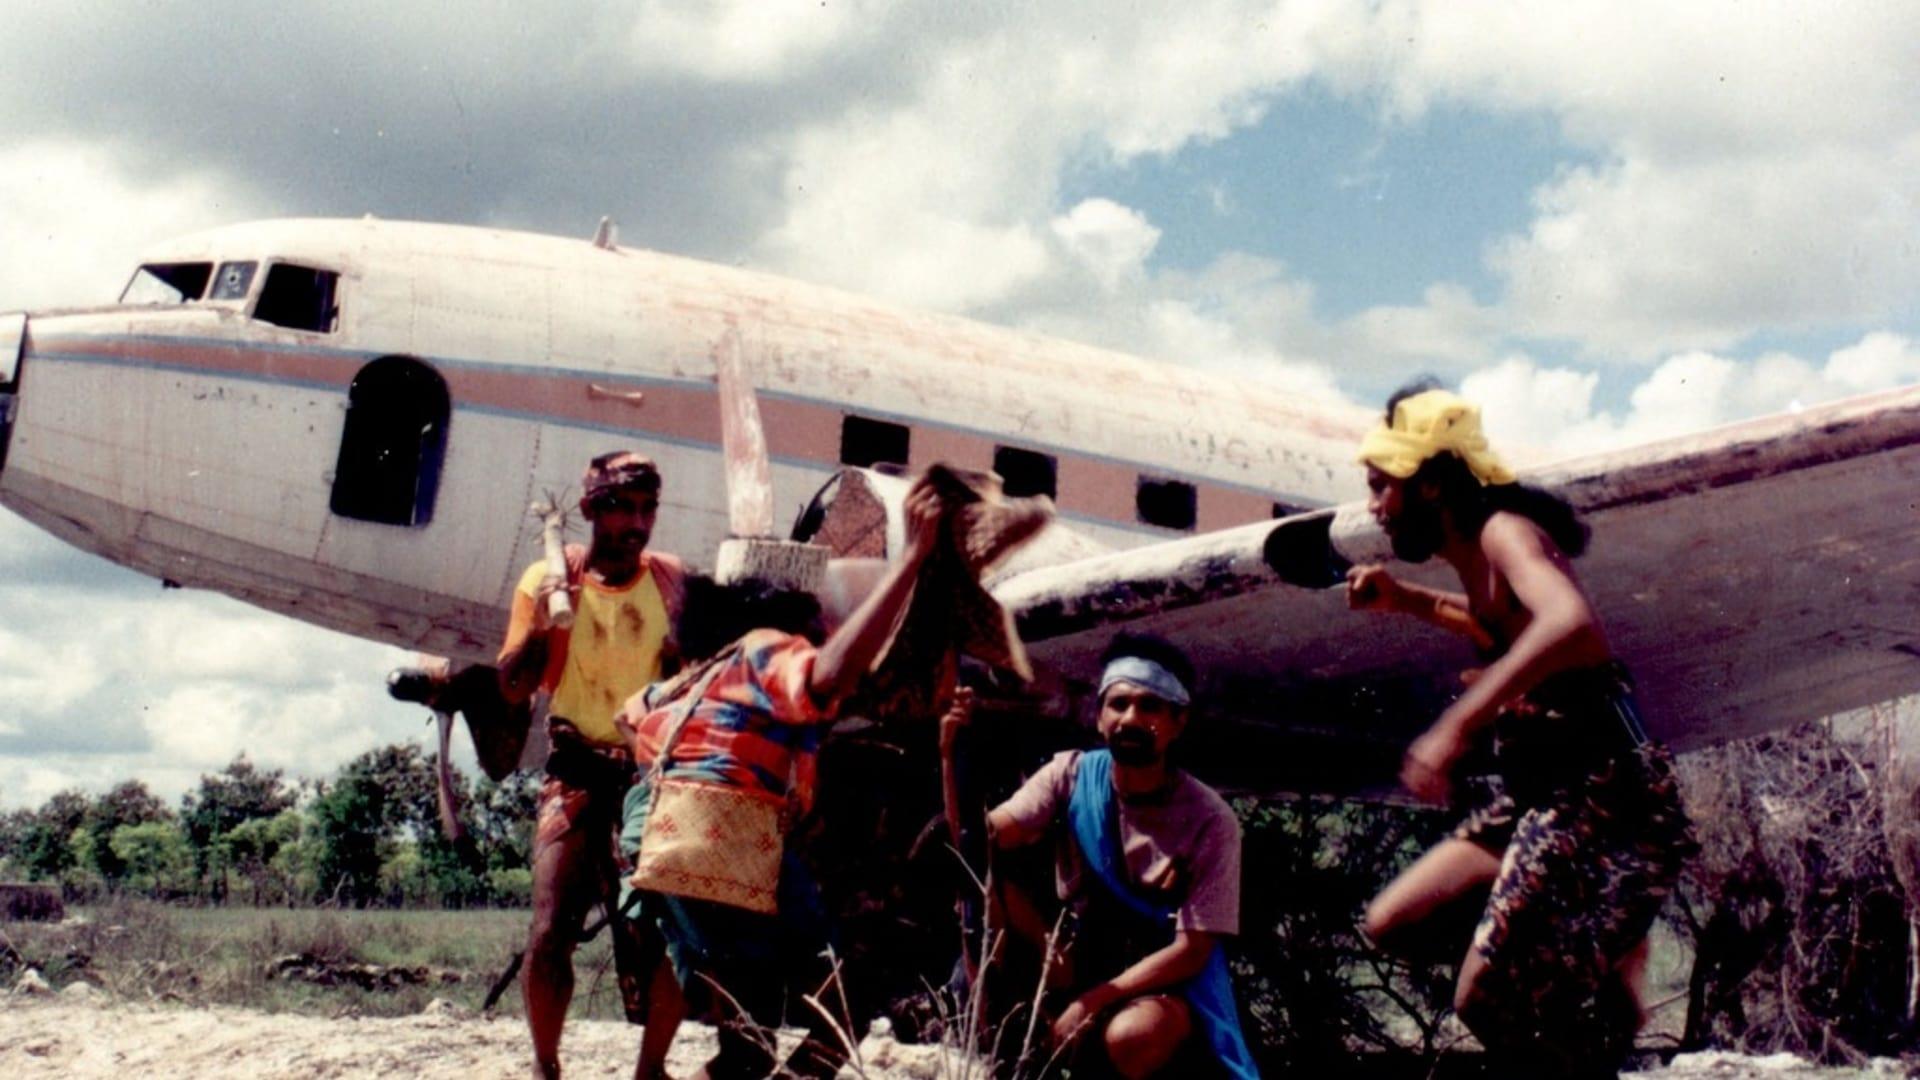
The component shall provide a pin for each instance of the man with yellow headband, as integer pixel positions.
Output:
(1577, 853)
(625, 601)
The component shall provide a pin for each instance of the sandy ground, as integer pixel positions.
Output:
(86, 1036)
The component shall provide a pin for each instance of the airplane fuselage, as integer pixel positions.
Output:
(345, 421)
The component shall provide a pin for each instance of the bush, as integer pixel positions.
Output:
(1796, 908)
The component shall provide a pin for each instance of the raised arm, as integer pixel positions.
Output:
(958, 715)
(847, 655)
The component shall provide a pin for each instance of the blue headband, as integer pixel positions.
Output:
(1147, 675)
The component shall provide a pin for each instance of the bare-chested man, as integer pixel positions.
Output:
(1585, 843)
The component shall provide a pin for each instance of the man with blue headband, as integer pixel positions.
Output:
(1148, 868)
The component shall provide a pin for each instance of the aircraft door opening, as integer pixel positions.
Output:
(393, 445)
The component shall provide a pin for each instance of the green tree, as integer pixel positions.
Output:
(239, 793)
(44, 837)
(375, 801)
(156, 857)
(500, 820)
(255, 848)
(128, 803)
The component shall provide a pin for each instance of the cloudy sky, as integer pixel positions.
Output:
(1609, 221)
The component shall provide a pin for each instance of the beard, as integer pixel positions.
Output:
(1417, 533)
(1132, 747)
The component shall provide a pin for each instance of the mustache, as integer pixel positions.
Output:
(1131, 746)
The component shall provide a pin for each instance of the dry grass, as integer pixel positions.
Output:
(142, 950)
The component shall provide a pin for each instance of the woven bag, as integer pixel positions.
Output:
(706, 841)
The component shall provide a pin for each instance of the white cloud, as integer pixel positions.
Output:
(943, 196)
(1641, 256)
(1549, 412)
(1754, 169)
(1881, 361)
(1111, 240)
(748, 40)
(107, 684)
(73, 217)
(1658, 80)
(1532, 411)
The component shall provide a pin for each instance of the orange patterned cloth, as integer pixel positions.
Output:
(756, 724)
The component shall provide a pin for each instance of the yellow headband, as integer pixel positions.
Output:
(1426, 424)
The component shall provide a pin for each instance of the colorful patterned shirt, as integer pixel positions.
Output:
(757, 723)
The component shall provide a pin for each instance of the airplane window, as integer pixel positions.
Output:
(1025, 472)
(233, 281)
(1286, 510)
(394, 443)
(298, 297)
(167, 283)
(1169, 504)
(865, 443)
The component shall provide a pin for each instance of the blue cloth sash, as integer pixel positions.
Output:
(1093, 813)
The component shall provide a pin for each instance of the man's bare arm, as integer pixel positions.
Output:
(1163, 969)
(959, 714)
(1372, 588)
(523, 661)
(1009, 832)
(847, 655)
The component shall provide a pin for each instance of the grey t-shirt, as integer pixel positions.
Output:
(1181, 844)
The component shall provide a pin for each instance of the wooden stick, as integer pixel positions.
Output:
(553, 523)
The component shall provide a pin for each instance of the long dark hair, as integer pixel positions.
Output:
(714, 616)
(1472, 502)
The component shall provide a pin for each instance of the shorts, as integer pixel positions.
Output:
(1581, 879)
(567, 808)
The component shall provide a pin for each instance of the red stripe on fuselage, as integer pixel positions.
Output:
(796, 430)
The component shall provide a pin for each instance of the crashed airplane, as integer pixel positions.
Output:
(345, 422)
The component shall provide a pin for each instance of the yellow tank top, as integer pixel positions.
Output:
(613, 651)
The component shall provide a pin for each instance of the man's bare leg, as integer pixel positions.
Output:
(1630, 971)
(562, 895)
(1446, 877)
(666, 1007)
(1145, 1034)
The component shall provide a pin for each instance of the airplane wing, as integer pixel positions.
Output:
(1751, 576)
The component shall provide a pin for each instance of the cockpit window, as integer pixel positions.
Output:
(233, 281)
(298, 297)
(167, 283)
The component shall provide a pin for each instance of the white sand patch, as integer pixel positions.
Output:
(91, 1036)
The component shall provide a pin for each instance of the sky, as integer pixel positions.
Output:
(1606, 221)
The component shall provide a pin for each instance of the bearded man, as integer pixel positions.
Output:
(1578, 849)
(1148, 867)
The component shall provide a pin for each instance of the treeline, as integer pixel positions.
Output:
(369, 835)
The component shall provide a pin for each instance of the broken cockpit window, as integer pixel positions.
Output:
(167, 283)
(233, 281)
(298, 297)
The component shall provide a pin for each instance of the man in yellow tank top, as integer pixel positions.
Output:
(625, 601)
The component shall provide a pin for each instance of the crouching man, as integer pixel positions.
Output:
(1148, 868)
